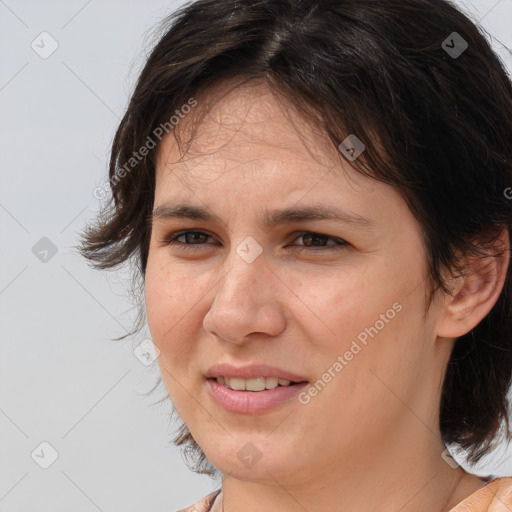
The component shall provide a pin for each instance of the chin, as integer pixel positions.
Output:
(248, 461)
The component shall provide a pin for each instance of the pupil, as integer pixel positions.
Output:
(195, 235)
(314, 238)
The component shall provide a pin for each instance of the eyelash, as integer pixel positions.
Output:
(172, 240)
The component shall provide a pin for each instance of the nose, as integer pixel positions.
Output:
(246, 302)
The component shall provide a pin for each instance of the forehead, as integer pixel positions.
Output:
(249, 130)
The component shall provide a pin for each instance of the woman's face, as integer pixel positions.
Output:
(343, 310)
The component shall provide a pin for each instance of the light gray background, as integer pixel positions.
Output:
(61, 378)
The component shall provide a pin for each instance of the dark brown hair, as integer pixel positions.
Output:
(437, 126)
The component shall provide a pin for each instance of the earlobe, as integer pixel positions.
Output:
(476, 292)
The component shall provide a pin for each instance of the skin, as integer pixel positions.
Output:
(370, 440)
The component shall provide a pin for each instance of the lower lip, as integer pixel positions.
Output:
(249, 402)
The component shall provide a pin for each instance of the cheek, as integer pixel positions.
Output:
(174, 305)
(158, 295)
(171, 306)
(347, 302)
(371, 319)
(166, 299)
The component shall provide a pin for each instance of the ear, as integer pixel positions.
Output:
(475, 292)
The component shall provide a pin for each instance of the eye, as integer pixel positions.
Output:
(196, 238)
(311, 241)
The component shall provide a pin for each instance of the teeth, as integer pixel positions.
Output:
(257, 384)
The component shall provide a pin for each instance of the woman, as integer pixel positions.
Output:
(315, 194)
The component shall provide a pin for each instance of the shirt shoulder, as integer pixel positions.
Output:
(492, 497)
(203, 505)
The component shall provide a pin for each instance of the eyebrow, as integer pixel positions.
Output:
(269, 219)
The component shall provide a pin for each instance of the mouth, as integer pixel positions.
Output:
(254, 389)
(256, 384)
(254, 377)
(251, 402)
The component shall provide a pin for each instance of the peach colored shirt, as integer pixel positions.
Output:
(486, 499)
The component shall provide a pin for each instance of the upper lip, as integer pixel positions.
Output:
(251, 371)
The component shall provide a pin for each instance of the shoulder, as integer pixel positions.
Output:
(495, 496)
(203, 505)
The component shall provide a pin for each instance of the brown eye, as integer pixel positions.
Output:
(316, 241)
(190, 238)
